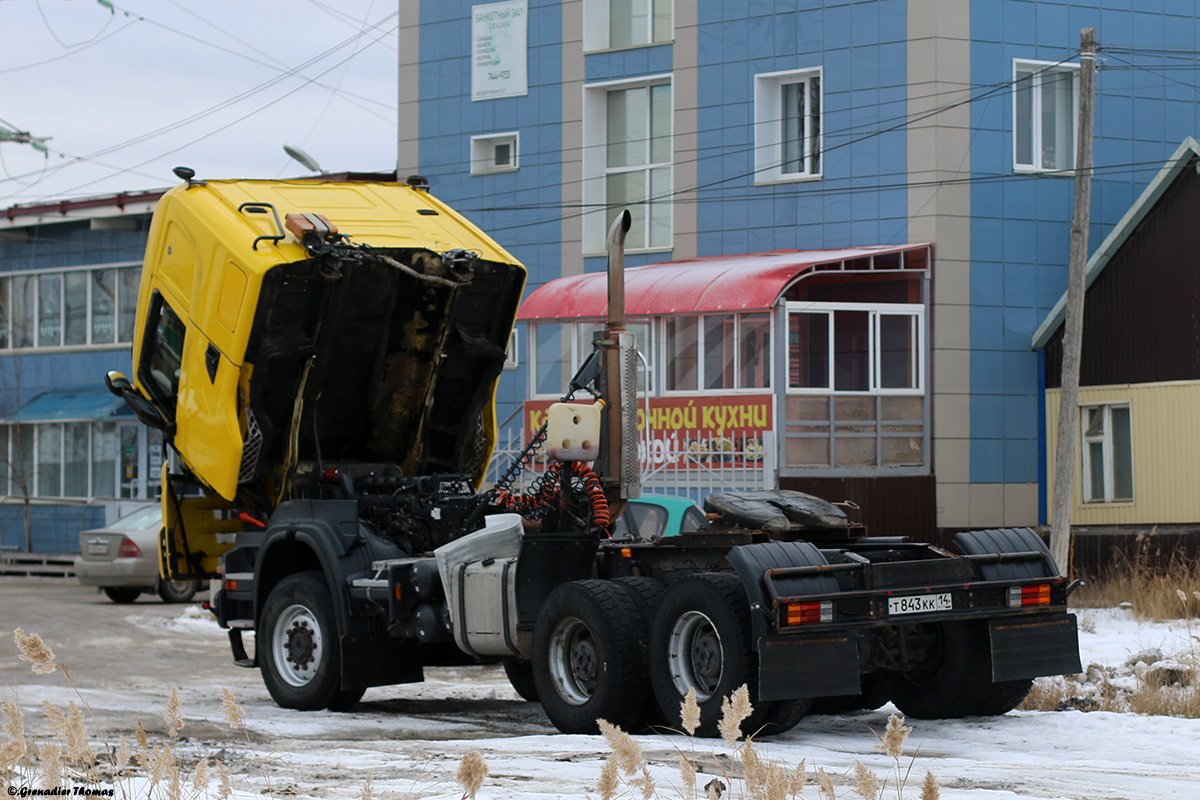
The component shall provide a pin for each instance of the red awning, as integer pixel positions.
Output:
(750, 282)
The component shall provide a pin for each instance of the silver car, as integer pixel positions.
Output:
(122, 559)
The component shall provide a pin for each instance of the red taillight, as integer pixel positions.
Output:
(129, 549)
(1038, 595)
(808, 613)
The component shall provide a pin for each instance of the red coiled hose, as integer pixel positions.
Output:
(541, 499)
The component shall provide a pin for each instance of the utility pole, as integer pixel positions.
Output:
(1072, 344)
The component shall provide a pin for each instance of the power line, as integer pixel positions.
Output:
(225, 104)
(226, 126)
(908, 120)
(72, 51)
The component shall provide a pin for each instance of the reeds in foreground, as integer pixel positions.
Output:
(626, 774)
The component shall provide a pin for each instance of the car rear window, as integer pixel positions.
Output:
(143, 518)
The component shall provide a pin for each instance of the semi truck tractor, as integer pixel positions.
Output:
(322, 357)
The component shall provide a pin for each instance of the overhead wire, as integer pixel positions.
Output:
(227, 103)
(272, 63)
(908, 120)
(54, 34)
(76, 49)
(226, 126)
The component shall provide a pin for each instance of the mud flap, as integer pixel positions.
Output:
(1030, 647)
(823, 665)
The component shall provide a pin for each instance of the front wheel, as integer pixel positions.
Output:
(300, 663)
(588, 663)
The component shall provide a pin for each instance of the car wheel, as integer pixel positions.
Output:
(122, 594)
(177, 591)
(587, 660)
(299, 656)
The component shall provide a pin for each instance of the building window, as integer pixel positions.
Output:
(855, 347)
(1107, 454)
(611, 24)
(1045, 107)
(68, 309)
(717, 352)
(560, 348)
(627, 162)
(494, 153)
(787, 125)
(80, 460)
(512, 352)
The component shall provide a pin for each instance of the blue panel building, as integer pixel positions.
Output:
(72, 457)
(740, 128)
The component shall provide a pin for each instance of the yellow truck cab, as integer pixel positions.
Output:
(285, 326)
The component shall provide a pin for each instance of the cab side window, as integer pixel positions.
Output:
(162, 355)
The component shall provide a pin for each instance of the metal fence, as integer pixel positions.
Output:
(686, 467)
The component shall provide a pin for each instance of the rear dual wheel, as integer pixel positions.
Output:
(588, 662)
(952, 676)
(701, 641)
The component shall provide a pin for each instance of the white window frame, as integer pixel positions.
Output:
(579, 352)
(1105, 440)
(141, 487)
(512, 359)
(737, 388)
(6, 317)
(1040, 69)
(483, 153)
(768, 127)
(595, 162)
(874, 363)
(597, 30)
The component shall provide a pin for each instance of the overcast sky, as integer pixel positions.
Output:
(218, 85)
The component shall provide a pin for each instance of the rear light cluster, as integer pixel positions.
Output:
(807, 613)
(129, 549)
(1038, 595)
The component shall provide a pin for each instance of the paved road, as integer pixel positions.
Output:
(126, 659)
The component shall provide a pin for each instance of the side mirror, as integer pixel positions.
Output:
(146, 412)
(117, 383)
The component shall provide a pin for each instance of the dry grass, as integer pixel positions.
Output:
(67, 760)
(748, 774)
(1150, 682)
(1149, 581)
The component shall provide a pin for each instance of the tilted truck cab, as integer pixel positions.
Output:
(322, 359)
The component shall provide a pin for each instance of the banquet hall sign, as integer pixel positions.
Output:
(499, 50)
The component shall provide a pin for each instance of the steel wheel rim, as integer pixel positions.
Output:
(297, 645)
(574, 661)
(695, 655)
(177, 588)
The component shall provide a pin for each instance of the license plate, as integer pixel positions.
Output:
(919, 604)
(97, 548)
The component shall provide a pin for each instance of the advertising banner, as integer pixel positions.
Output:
(693, 432)
(498, 50)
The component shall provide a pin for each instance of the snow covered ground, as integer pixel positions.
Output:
(410, 739)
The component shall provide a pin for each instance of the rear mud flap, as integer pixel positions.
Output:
(818, 666)
(1030, 647)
